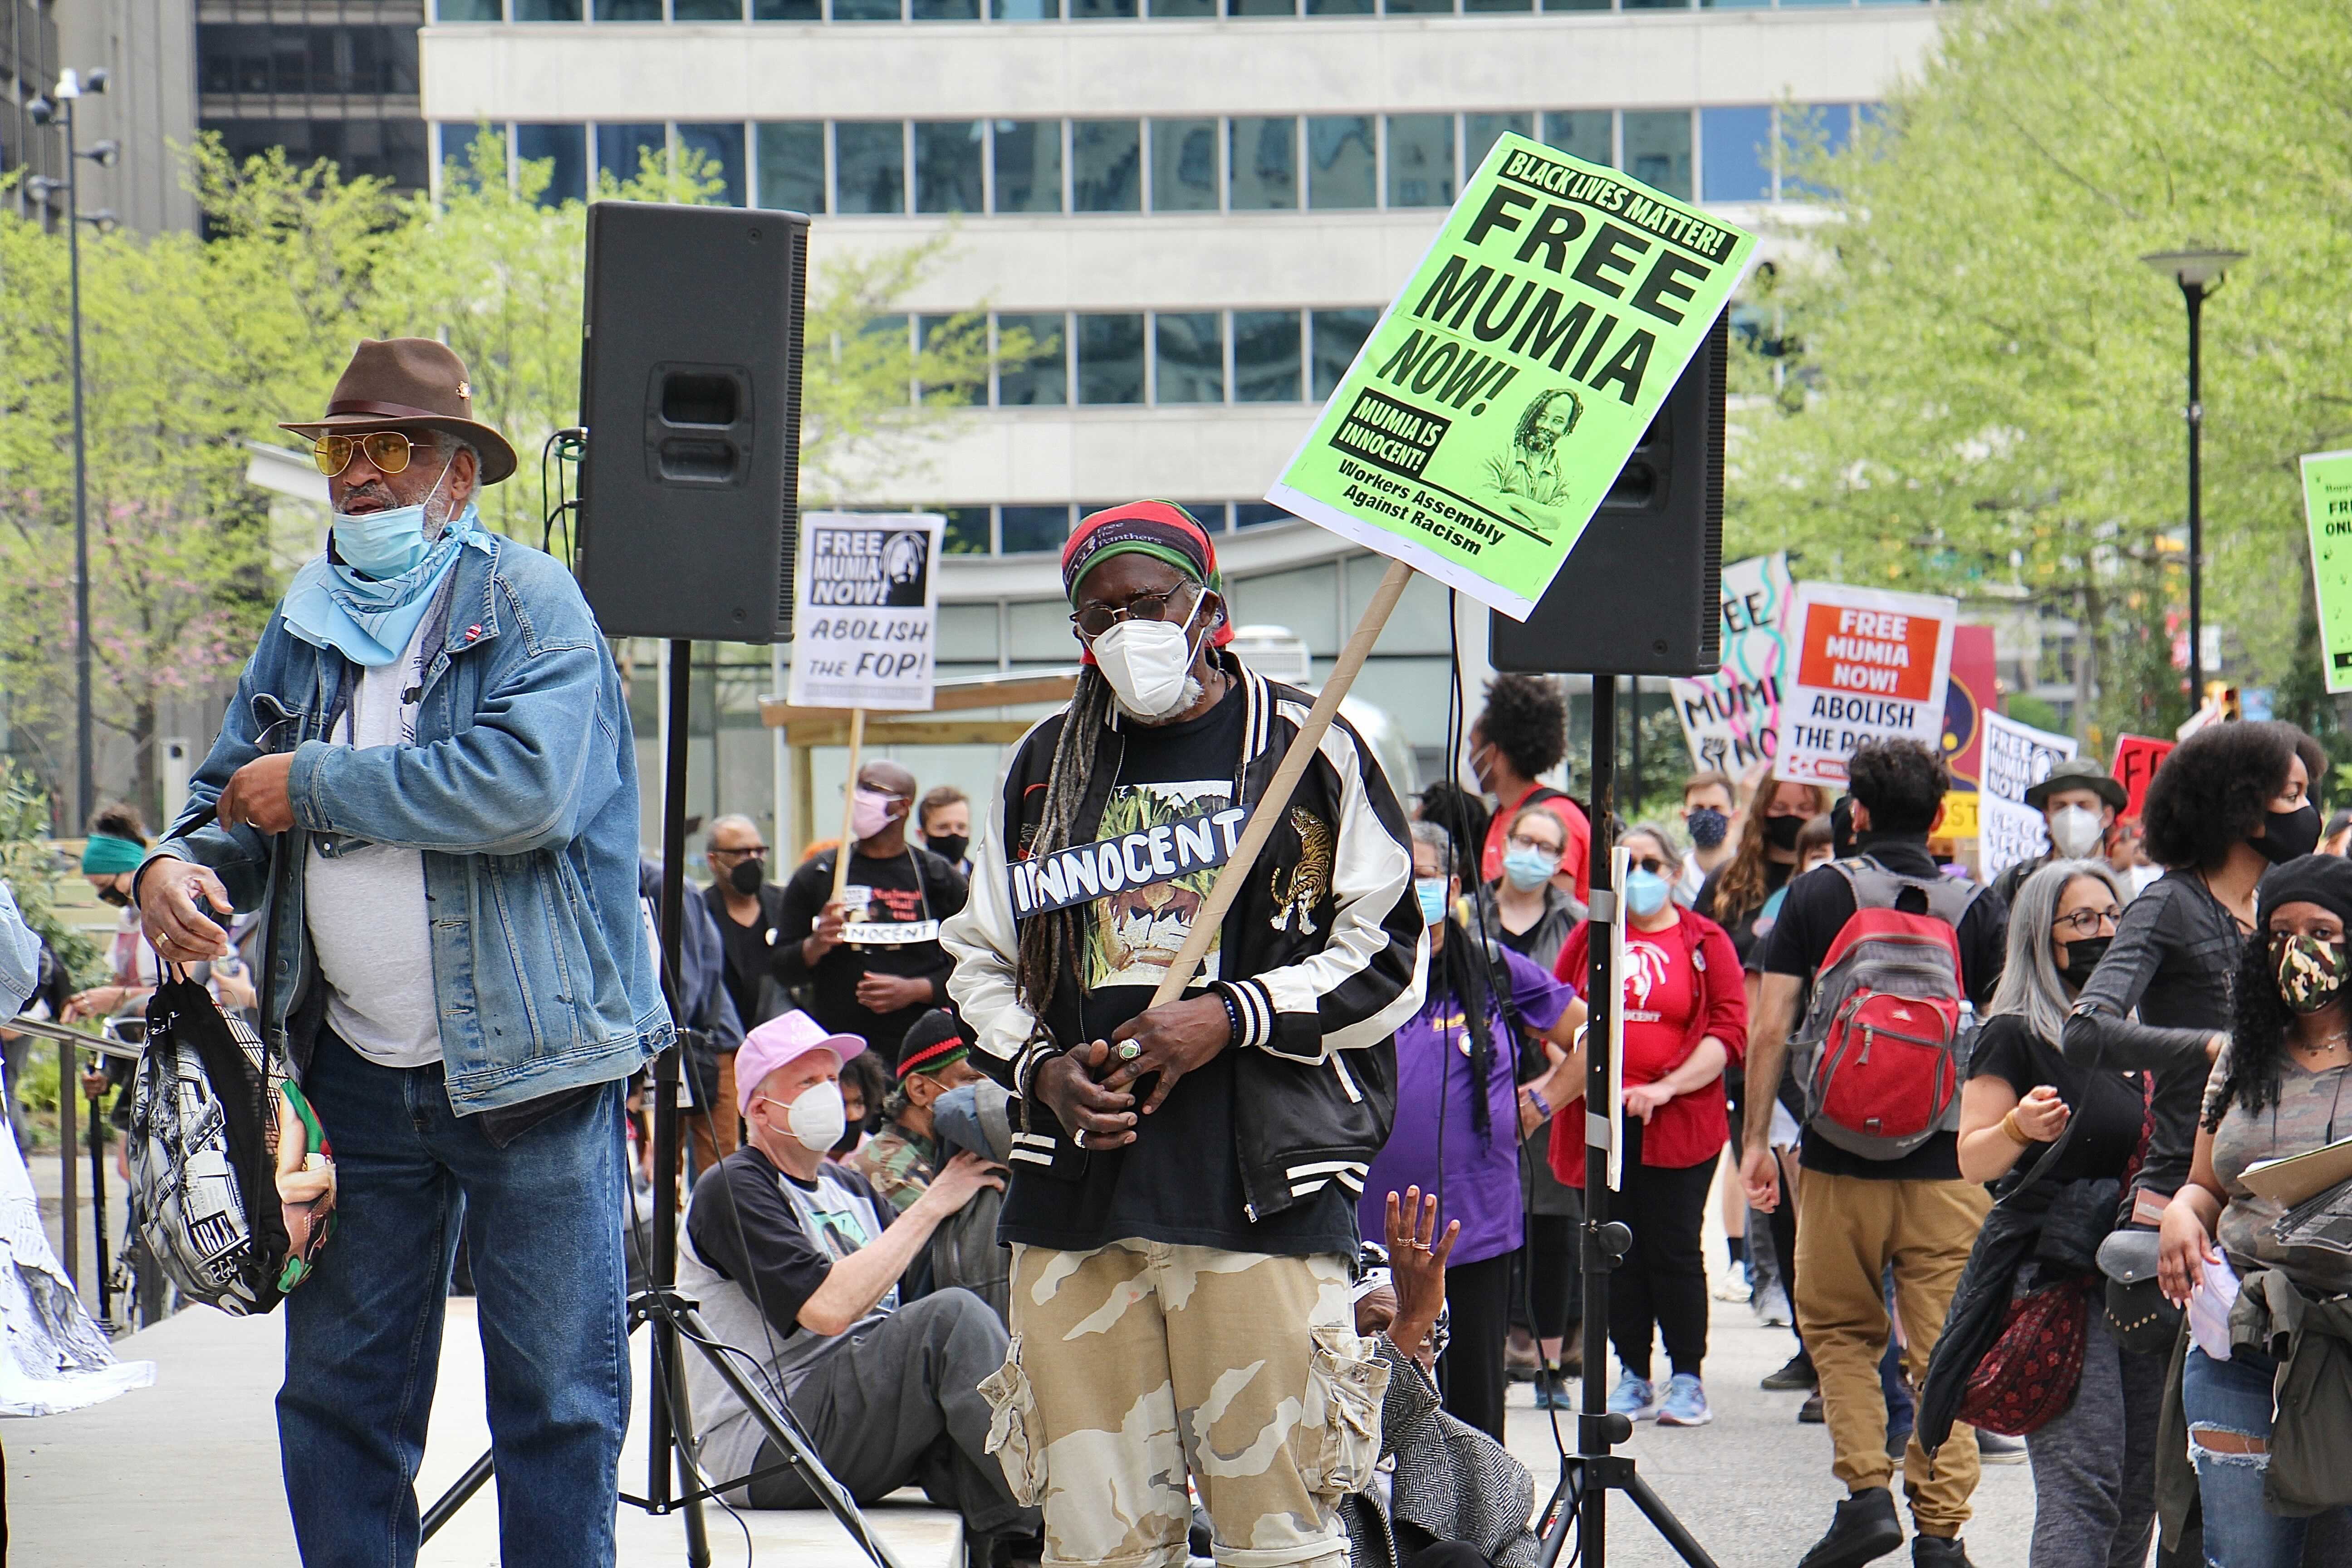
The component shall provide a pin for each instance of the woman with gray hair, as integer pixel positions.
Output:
(2094, 1467)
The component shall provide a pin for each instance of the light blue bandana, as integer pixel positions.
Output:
(369, 622)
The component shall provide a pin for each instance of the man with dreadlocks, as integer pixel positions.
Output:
(1184, 1177)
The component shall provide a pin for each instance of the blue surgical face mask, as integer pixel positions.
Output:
(1528, 868)
(1645, 893)
(1430, 890)
(388, 543)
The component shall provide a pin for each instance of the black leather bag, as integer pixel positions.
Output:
(2138, 1317)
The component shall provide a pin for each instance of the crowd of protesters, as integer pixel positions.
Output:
(984, 1212)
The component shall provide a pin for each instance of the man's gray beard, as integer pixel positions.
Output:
(439, 511)
(1193, 692)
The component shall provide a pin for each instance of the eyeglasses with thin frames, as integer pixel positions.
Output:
(2087, 922)
(1097, 619)
(388, 450)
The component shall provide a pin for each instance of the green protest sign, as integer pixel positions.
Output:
(2328, 506)
(1491, 408)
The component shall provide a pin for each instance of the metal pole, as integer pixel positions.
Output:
(1592, 1421)
(68, 1180)
(85, 791)
(2195, 294)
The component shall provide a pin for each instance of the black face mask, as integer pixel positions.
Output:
(115, 896)
(1780, 832)
(747, 876)
(2289, 835)
(2083, 955)
(948, 847)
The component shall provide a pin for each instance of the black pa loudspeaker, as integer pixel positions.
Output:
(1640, 594)
(690, 388)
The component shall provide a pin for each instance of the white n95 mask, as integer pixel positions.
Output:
(1147, 663)
(818, 1118)
(2076, 831)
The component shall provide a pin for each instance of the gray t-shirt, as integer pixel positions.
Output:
(2313, 1111)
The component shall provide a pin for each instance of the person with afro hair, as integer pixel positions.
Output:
(2227, 805)
(1522, 735)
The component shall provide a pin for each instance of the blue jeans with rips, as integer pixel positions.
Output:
(542, 1226)
(2234, 1396)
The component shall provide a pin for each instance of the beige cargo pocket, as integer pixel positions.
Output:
(1015, 1435)
(1339, 1437)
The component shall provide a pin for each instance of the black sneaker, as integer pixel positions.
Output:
(1938, 1552)
(1798, 1374)
(1865, 1530)
(1809, 1413)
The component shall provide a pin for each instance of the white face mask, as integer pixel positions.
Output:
(2076, 830)
(817, 1118)
(1148, 663)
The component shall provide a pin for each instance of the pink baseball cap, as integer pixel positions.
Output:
(780, 1042)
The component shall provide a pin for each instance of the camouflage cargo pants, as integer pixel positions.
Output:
(1137, 1363)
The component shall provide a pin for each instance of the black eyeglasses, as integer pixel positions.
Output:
(1097, 619)
(2087, 922)
(1652, 864)
(756, 851)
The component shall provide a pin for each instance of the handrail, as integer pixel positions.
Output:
(70, 1040)
(47, 1030)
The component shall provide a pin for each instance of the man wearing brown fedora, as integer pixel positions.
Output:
(427, 777)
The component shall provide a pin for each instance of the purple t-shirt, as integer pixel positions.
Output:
(1482, 1175)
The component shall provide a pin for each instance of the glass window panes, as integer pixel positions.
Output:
(628, 10)
(870, 163)
(1580, 132)
(1110, 357)
(866, 10)
(785, 10)
(1261, 7)
(1033, 528)
(1481, 132)
(1342, 161)
(1094, 10)
(622, 149)
(1265, 357)
(1025, 10)
(1190, 347)
(944, 11)
(565, 148)
(1042, 379)
(1266, 165)
(1576, 4)
(1339, 7)
(1107, 166)
(1182, 7)
(947, 165)
(716, 152)
(790, 164)
(967, 534)
(1183, 165)
(706, 10)
(1337, 336)
(1420, 160)
(1498, 5)
(1658, 149)
(470, 11)
(1736, 147)
(1028, 156)
(1258, 513)
(547, 10)
(1417, 7)
(1665, 5)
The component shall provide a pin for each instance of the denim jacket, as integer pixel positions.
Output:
(520, 790)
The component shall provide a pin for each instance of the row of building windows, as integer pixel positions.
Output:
(1164, 358)
(1057, 10)
(1027, 529)
(287, 60)
(1237, 164)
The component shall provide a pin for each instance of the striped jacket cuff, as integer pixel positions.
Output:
(1254, 1006)
(1025, 1066)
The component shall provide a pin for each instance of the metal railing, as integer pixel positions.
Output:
(70, 1042)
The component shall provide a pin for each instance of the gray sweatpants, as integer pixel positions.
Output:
(2095, 1466)
(902, 1404)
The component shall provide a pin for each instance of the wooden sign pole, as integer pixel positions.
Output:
(848, 805)
(1277, 799)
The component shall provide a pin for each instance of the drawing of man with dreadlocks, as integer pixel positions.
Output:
(1528, 481)
(1186, 1168)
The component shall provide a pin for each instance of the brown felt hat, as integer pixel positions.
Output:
(400, 383)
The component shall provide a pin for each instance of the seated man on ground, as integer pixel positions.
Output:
(797, 1263)
(900, 1160)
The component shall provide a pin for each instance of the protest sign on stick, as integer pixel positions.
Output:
(1869, 666)
(2016, 757)
(1728, 718)
(2136, 759)
(2328, 508)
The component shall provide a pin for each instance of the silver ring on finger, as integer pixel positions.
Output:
(1129, 1050)
(1079, 1138)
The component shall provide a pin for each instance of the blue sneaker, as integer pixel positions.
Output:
(1685, 1402)
(1634, 1398)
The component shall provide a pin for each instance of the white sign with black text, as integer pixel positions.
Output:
(2016, 758)
(865, 598)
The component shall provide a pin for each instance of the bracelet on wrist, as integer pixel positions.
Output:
(1543, 1106)
(2016, 1134)
(1232, 1016)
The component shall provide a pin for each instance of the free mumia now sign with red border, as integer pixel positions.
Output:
(1869, 666)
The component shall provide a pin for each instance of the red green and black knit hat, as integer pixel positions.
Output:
(1159, 528)
(934, 1041)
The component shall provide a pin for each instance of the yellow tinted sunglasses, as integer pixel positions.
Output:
(388, 450)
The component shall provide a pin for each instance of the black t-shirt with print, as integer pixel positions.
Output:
(744, 1226)
(913, 891)
(1180, 1182)
(2109, 1107)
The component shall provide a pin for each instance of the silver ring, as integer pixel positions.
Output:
(1079, 1138)
(1129, 1050)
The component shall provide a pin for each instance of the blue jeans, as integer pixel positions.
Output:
(543, 1219)
(2234, 1395)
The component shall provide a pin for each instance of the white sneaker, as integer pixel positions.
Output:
(1771, 1306)
(1732, 1287)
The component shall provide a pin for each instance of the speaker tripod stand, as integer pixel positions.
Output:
(1587, 1477)
(673, 1319)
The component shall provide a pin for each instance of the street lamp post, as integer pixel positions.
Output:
(70, 87)
(2194, 270)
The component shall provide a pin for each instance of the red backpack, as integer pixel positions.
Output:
(1878, 1054)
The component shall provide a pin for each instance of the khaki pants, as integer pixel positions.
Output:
(1849, 1230)
(713, 1135)
(1137, 1363)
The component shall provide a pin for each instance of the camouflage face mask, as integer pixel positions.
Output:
(2310, 970)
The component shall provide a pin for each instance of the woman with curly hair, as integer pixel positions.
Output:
(1521, 736)
(2229, 802)
(2276, 1090)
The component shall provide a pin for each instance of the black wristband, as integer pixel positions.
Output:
(1233, 1015)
